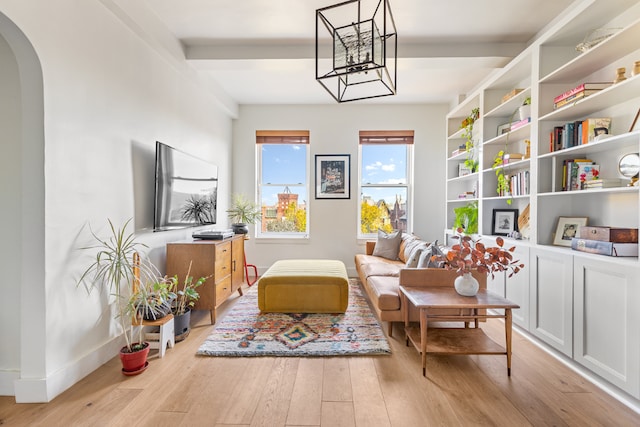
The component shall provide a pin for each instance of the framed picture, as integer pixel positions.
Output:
(333, 177)
(635, 125)
(505, 221)
(567, 229)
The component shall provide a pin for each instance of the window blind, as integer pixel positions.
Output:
(282, 137)
(386, 137)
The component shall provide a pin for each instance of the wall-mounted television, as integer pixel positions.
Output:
(186, 193)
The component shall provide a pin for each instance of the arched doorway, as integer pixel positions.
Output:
(22, 256)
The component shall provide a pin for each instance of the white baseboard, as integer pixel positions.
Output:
(42, 390)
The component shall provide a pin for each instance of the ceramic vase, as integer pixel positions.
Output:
(466, 285)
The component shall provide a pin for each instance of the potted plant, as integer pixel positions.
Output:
(186, 296)
(524, 111)
(470, 255)
(115, 271)
(242, 213)
(466, 218)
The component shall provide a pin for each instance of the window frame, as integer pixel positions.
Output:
(280, 138)
(395, 138)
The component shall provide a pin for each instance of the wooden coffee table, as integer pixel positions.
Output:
(464, 340)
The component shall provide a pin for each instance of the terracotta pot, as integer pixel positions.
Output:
(134, 362)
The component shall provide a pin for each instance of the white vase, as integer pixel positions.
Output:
(466, 285)
(524, 111)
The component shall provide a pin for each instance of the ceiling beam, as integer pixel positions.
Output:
(217, 50)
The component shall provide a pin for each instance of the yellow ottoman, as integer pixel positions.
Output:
(304, 286)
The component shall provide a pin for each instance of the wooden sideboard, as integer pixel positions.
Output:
(222, 261)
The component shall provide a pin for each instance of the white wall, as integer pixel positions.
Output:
(334, 130)
(10, 214)
(109, 93)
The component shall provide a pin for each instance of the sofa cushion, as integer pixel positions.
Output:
(384, 292)
(406, 239)
(388, 245)
(362, 259)
(381, 269)
(409, 247)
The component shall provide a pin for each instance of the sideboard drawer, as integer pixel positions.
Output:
(223, 290)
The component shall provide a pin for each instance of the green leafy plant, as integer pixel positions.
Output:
(467, 124)
(471, 255)
(244, 211)
(466, 218)
(527, 101)
(186, 294)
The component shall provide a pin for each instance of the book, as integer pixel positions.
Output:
(567, 135)
(592, 127)
(519, 124)
(580, 88)
(604, 248)
(511, 157)
(511, 94)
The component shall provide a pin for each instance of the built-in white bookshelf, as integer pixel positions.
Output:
(568, 298)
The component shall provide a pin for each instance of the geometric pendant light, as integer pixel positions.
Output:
(364, 45)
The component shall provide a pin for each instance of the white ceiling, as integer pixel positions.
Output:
(263, 51)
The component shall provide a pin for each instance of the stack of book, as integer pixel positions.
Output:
(578, 92)
(601, 183)
(609, 241)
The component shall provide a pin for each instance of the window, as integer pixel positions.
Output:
(283, 159)
(385, 174)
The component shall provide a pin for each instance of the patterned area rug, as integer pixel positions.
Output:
(245, 331)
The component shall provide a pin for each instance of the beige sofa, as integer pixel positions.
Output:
(381, 278)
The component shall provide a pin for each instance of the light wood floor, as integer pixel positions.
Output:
(184, 390)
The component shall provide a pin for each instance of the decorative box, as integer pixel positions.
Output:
(604, 248)
(609, 234)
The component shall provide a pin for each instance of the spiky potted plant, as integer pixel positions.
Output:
(114, 271)
(242, 213)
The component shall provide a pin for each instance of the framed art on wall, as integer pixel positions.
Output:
(333, 177)
(505, 221)
(567, 229)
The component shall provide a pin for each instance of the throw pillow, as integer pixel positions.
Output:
(410, 246)
(425, 257)
(388, 245)
(414, 256)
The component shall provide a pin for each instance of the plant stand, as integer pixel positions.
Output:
(162, 334)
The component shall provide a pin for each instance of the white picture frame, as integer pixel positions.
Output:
(567, 229)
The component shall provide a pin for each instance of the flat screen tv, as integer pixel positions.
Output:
(186, 191)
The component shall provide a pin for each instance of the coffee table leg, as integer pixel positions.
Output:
(507, 325)
(423, 340)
